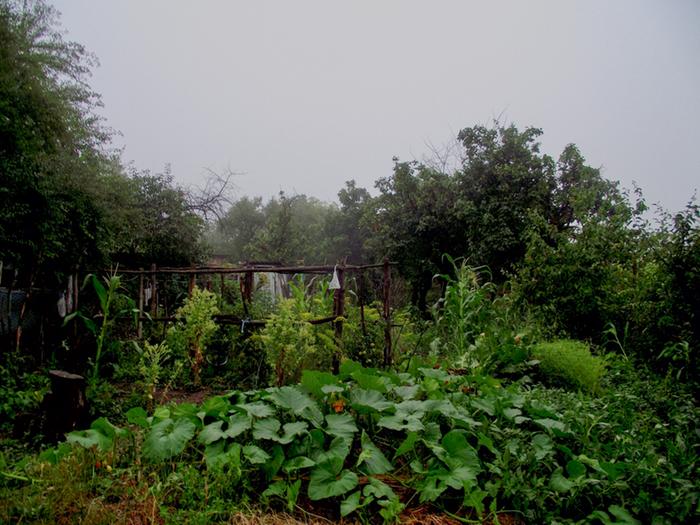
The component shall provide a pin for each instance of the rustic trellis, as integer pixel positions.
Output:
(245, 274)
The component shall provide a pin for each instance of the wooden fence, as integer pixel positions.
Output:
(245, 276)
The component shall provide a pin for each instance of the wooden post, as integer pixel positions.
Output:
(139, 331)
(388, 354)
(242, 285)
(362, 303)
(192, 284)
(154, 291)
(76, 287)
(339, 311)
(247, 291)
(221, 292)
(248, 282)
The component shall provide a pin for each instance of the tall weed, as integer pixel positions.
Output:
(194, 329)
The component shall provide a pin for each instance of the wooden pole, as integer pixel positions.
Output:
(241, 286)
(362, 304)
(339, 311)
(192, 284)
(154, 291)
(248, 282)
(246, 269)
(76, 287)
(139, 331)
(221, 292)
(388, 353)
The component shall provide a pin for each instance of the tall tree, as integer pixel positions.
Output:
(416, 222)
(50, 142)
(480, 211)
(504, 179)
(345, 227)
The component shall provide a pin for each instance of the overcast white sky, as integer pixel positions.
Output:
(303, 95)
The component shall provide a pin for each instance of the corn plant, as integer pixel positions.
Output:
(109, 298)
(465, 314)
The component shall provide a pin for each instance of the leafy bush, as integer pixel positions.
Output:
(21, 392)
(194, 329)
(292, 344)
(365, 347)
(152, 359)
(570, 363)
(235, 360)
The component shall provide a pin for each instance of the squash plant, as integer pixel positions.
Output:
(369, 443)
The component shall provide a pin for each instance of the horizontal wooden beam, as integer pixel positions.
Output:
(232, 319)
(255, 269)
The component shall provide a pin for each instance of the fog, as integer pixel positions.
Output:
(302, 96)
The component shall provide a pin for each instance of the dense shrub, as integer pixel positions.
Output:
(570, 363)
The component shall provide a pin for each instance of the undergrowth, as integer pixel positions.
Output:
(373, 445)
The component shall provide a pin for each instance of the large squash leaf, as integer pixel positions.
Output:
(168, 438)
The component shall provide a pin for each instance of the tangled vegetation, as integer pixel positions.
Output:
(368, 444)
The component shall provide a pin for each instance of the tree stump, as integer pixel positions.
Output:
(66, 405)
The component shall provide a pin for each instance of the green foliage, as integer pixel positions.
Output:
(21, 392)
(194, 329)
(158, 223)
(581, 279)
(677, 326)
(465, 444)
(112, 304)
(463, 318)
(415, 222)
(291, 343)
(476, 328)
(364, 346)
(482, 208)
(285, 229)
(607, 277)
(570, 363)
(168, 438)
(152, 359)
(49, 216)
(65, 199)
(295, 228)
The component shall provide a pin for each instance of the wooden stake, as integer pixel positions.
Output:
(388, 353)
(140, 325)
(192, 284)
(154, 291)
(362, 304)
(339, 311)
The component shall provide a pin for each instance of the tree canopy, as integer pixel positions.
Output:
(65, 198)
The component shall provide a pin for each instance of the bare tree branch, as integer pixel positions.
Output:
(213, 200)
